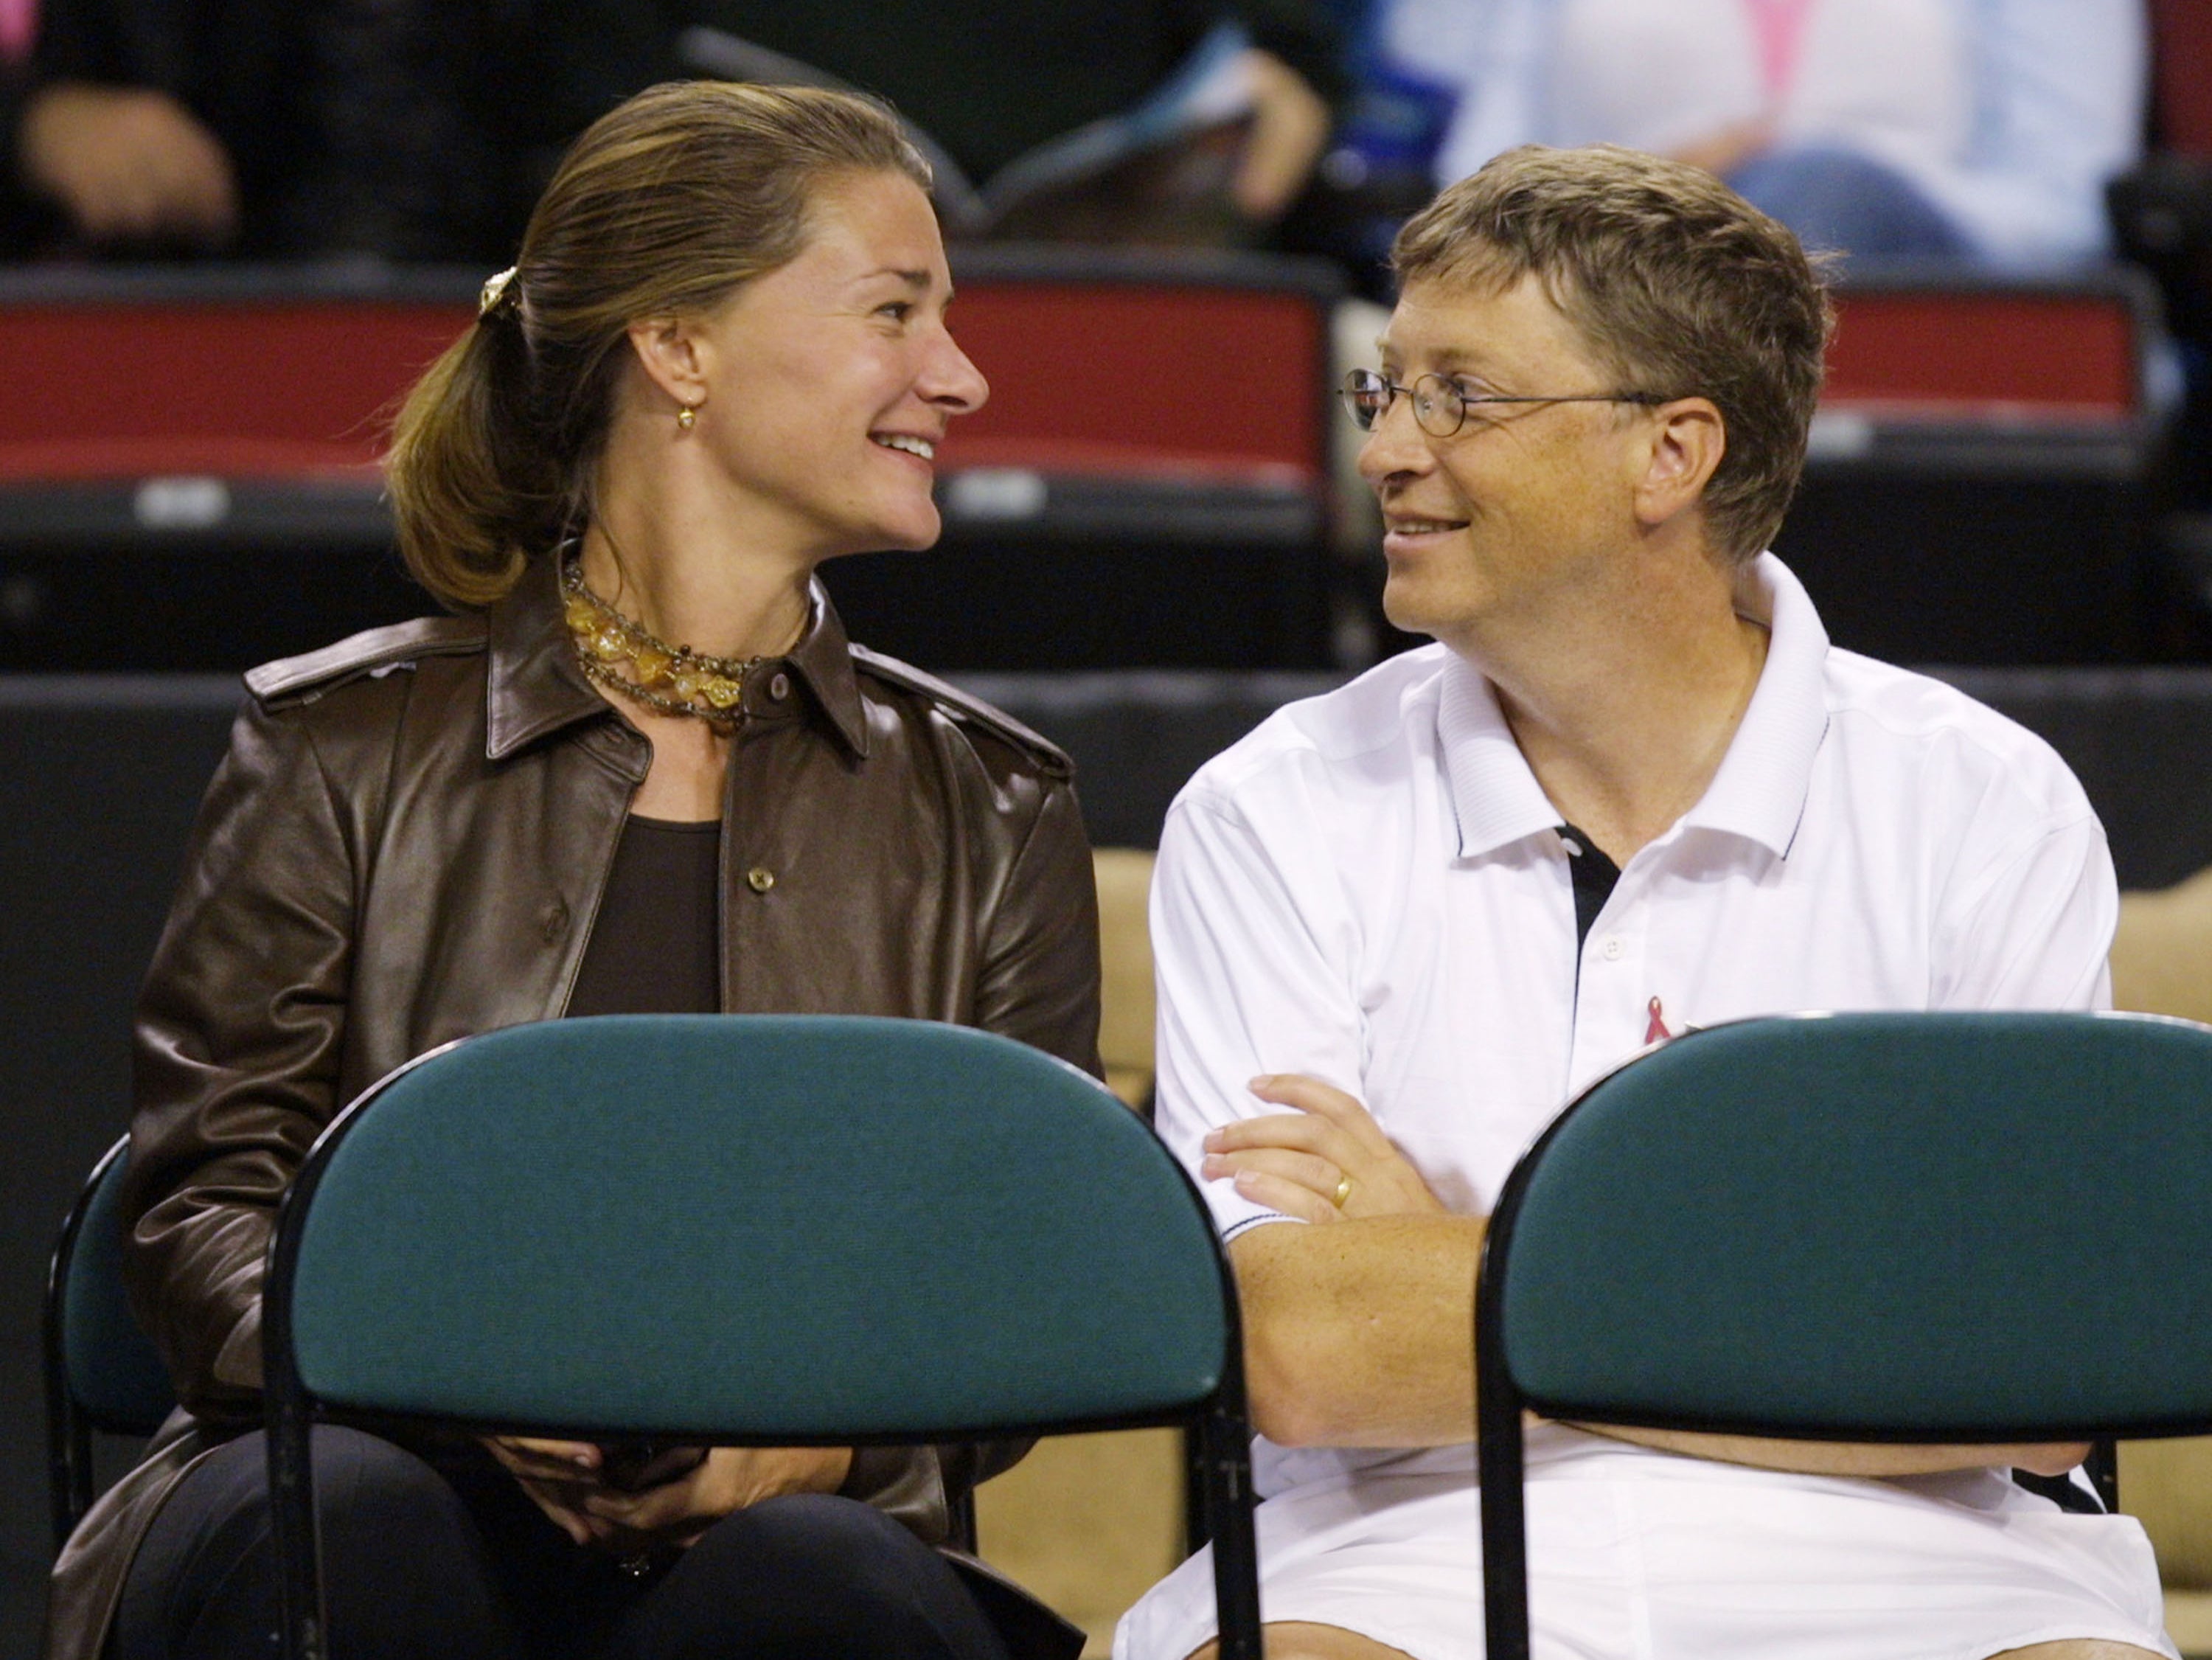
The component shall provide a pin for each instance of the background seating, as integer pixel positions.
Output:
(1980, 488)
(186, 478)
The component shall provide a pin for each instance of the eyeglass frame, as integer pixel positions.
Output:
(1352, 388)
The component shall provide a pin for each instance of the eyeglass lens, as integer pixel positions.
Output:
(1437, 407)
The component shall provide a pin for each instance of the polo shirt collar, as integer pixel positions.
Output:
(1497, 798)
(1760, 792)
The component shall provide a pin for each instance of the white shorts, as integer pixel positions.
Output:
(1639, 1556)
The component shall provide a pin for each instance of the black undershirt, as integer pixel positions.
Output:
(655, 945)
(1595, 877)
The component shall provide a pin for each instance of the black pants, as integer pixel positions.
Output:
(455, 1562)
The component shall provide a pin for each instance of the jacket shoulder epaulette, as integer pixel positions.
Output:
(1048, 755)
(307, 676)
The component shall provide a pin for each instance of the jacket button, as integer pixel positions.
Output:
(760, 878)
(780, 687)
(556, 920)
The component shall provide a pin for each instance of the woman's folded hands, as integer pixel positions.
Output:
(589, 1494)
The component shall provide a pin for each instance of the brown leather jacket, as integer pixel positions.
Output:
(407, 843)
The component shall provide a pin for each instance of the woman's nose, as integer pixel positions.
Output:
(953, 383)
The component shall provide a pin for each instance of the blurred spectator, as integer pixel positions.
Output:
(421, 130)
(991, 81)
(1976, 129)
(1380, 167)
(413, 129)
(18, 20)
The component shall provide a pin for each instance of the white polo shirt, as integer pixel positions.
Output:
(1371, 889)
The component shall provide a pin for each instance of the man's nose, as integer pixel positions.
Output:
(1395, 445)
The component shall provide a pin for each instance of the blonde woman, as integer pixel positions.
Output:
(640, 768)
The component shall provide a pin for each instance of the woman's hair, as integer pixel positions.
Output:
(663, 208)
(1677, 284)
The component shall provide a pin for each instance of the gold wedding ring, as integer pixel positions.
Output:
(1343, 1192)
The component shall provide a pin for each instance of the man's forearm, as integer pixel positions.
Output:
(1359, 1334)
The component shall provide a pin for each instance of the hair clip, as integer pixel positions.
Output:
(495, 292)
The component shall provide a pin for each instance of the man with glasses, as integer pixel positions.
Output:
(1629, 790)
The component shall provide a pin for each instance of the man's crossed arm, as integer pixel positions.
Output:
(1358, 1329)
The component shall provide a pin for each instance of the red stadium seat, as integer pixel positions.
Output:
(112, 386)
(2181, 35)
(1968, 350)
(1976, 491)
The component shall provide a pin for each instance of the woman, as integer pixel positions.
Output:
(641, 770)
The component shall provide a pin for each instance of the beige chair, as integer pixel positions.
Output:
(1089, 1521)
(2162, 964)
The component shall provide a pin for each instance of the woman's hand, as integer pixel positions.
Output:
(563, 1479)
(1327, 1161)
(727, 1480)
(558, 1475)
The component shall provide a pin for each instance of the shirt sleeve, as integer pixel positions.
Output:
(1498, 58)
(2034, 931)
(2057, 90)
(1251, 944)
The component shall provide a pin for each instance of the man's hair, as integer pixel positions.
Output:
(1679, 286)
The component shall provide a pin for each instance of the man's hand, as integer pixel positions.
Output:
(1725, 150)
(1300, 1163)
(127, 163)
(562, 1479)
(1290, 125)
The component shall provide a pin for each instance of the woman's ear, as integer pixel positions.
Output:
(669, 351)
(1688, 437)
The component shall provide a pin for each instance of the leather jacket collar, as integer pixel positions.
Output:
(533, 686)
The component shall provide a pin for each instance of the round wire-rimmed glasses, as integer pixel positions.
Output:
(1440, 407)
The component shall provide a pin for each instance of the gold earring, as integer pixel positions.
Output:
(686, 417)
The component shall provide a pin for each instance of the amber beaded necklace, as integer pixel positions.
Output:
(670, 679)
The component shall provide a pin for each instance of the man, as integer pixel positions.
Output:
(1630, 789)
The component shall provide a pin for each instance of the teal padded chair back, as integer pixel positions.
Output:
(1902, 1227)
(774, 1229)
(102, 1371)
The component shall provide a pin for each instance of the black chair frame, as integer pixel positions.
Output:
(71, 1421)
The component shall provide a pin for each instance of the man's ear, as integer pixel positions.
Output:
(669, 352)
(1687, 440)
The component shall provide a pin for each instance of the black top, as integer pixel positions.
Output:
(1595, 877)
(654, 948)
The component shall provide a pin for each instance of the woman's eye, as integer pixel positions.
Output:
(898, 310)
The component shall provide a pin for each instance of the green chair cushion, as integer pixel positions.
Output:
(677, 1223)
(1920, 1225)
